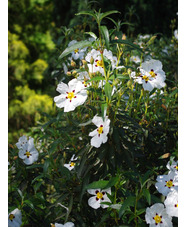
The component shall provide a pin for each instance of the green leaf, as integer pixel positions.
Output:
(147, 195)
(119, 76)
(29, 203)
(86, 13)
(97, 184)
(112, 182)
(108, 90)
(127, 43)
(141, 211)
(97, 78)
(20, 193)
(128, 202)
(105, 34)
(108, 13)
(92, 34)
(103, 110)
(35, 166)
(75, 46)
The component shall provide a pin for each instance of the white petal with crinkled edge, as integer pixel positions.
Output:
(171, 203)
(148, 86)
(96, 141)
(93, 191)
(92, 202)
(62, 88)
(69, 224)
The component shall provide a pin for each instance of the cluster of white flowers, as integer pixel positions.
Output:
(158, 214)
(27, 150)
(151, 75)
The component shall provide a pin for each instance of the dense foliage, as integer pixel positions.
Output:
(137, 135)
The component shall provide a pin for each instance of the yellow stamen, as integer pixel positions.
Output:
(146, 78)
(99, 63)
(157, 219)
(11, 217)
(72, 164)
(169, 184)
(152, 73)
(70, 95)
(99, 195)
(100, 129)
(76, 50)
(27, 154)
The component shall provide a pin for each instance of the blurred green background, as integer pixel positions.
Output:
(39, 30)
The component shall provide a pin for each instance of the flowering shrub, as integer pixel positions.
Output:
(120, 86)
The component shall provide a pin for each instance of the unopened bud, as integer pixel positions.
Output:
(116, 37)
(84, 62)
(74, 72)
(73, 64)
(68, 73)
(124, 37)
(92, 61)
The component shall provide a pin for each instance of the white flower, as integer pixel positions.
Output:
(94, 57)
(99, 196)
(22, 142)
(100, 134)
(77, 53)
(71, 164)
(152, 76)
(176, 34)
(171, 203)
(68, 224)
(72, 95)
(83, 77)
(28, 152)
(15, 218)
(156, 216)
(144, 37)
(135, 59)
(167, 183)
(173, 167)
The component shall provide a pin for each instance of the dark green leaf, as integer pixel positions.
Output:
(112, 182)
(147, 195)
(29, 203)
(97, 184)
(108, 13)
(128, 202)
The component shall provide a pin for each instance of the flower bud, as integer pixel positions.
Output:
(68, 73)
(73, 64)
(92, 61)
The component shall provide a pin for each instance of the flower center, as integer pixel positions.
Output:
(70, 95)
(99, 195)
(76, 50)
(169, 183)
(152, 73)
(146, 78)
(157, 219)
(100, 130)
(99, 63)
(28, 154)
(72, 164)
(176, 167)
(176, 205)
(11, 217)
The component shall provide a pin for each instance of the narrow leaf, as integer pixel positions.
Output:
(77, 45)
(108, 13)
(108, 90)
(127, 43)
(105, 34)
(147, 195)
(92, 34)
(97, 184)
